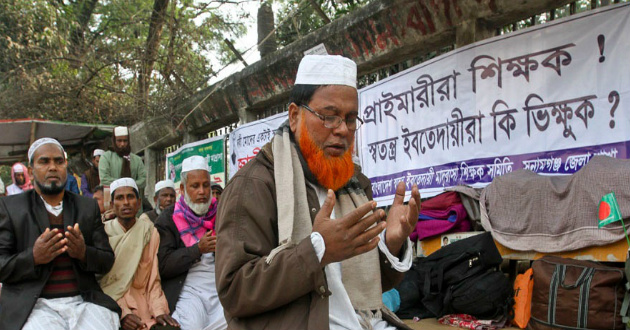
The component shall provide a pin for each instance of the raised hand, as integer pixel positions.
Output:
(75, 242)
(401, 219)
(48, 246)
(350, 235)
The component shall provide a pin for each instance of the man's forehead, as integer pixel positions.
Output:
(198, 174)
(48, 151)
(336, 99)
(124, 191)
(166, 190)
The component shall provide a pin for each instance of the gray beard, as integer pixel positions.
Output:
(158, 210)
(198, 208)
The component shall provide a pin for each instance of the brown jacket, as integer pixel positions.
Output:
(290, 293)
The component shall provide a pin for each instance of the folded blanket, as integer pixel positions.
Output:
(526, 211)
(441, 214)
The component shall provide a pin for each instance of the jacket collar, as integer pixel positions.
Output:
(41, 215)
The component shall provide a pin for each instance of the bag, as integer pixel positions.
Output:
(452, 265)
(576, 294)
(485, 296)
(410, 290)
(523, 287)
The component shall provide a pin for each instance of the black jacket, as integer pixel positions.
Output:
(174, 258)
(152, 215)
(23, 218)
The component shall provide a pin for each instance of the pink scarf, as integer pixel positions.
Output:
(27, 179)
(191, 226)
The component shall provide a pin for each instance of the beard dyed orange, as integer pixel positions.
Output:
(331, 172)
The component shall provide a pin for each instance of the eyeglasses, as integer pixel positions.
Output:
(332, 122)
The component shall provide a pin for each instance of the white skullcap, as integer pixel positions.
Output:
(121, 131)
(195, 163)
(17, 168)
(98, 152)
(164, 184)
(122, 182)
(40, 143)
(327, 70)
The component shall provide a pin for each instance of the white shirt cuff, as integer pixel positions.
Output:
(318, 244)
(399, 265)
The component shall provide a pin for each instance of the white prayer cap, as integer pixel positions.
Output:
(121, 131)
(123, 182)
(17, 168)
(327, 70)
(164, 184)
(195, 163)
(40, 143)
(98, 152)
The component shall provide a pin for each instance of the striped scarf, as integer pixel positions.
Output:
(191, 226)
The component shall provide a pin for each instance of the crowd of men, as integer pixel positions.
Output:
(295, 242)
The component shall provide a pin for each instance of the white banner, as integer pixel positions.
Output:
(546, 99)
(246, 140)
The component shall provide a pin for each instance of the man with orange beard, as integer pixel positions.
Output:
(300, 244)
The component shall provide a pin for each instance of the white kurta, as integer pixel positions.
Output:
(70, 313)
(342, 314)
(198, 306)
(13, 190)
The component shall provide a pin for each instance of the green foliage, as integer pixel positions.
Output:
(53, 67)
(297, 18)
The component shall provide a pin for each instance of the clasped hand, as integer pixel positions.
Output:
(52, 243)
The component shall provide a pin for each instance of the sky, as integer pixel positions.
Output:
(248, 40)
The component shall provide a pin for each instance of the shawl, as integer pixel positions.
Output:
(129, 244)
(361, 274)
(192, 227)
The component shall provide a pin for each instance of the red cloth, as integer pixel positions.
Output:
(441, 201)
(466, 321)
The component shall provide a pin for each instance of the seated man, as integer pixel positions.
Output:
(21, 181)
(164, 197)
(185, 255)
(52, 245)
(100, 199)
(300, 243)
(217, 190)
(90, 179)
(134, 280)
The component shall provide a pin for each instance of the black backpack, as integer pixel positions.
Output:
(462, 278)
(410, 290)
